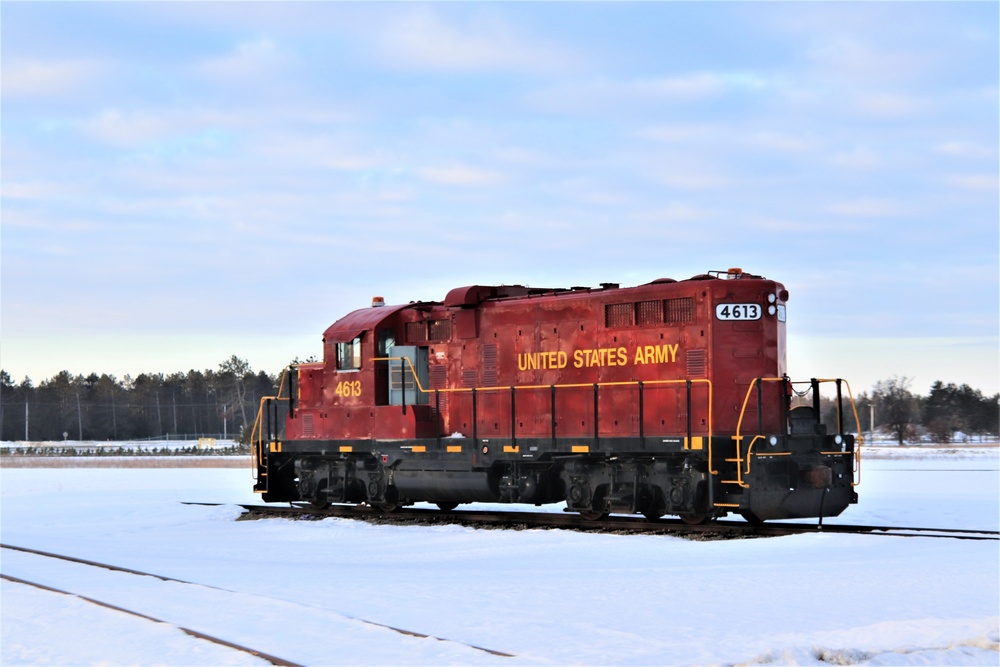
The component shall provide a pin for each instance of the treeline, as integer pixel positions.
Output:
(947, 413)
(219, 403)
(223, 403)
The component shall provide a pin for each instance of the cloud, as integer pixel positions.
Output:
(680, 133)
(983, 182)
(604, 93)
(114, 127)
(674, 212)
(967, 150)
(859, 157)
(422, 40)
(460, 175)
(780, 142)
(248, 61)
(872, 208)
(51, 78)
(889, 105)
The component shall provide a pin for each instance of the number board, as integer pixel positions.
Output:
(738, 311)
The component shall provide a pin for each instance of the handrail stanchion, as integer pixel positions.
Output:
(513, 418)
(687, 385)
(840, 409)
(597, 436)
(642, 420)
(437, 412)
(552, 404)
(475, 421)
(760, 406)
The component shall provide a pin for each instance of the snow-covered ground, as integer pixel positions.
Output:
(330, 592)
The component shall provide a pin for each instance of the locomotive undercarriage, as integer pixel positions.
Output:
(774, 477)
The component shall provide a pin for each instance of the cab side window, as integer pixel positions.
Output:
(349, 355)
(386, 339)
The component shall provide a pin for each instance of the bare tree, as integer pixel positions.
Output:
(235, 370)
(895, 406)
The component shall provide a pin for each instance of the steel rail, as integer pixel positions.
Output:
(116, 568)
(274, 660)
(613, 524)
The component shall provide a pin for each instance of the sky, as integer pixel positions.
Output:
(182, 182)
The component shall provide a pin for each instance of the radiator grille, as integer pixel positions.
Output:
(416, 332)
(648, 312)
(679, 310)
(618, 315)
(439, 330)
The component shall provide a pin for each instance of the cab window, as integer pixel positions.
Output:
(349, 355)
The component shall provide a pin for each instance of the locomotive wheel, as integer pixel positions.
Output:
(391, 502)
(594, 516)
(652, 515)
(694, 519)
(446, 507)
(320, 504)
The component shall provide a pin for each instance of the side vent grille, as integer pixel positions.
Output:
(469, 378)
(491, 370)
(308, 427)
(696, 363)
(437, 378)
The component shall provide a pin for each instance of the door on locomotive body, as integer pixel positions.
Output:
(408, 375)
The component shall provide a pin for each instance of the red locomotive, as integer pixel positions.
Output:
(667, 398)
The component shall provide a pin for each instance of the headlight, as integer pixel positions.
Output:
(771, 310)
(773, 440)
(771, 298)
(838, 440)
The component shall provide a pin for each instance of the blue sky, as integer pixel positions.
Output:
(186, 181)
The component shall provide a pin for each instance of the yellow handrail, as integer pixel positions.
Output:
(578, 385)
(859, 440)
(256, 432)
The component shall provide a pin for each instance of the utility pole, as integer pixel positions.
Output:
(871, 421)
(26, 419)
(114, 417)
(79, 417)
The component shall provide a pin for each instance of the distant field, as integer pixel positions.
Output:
(242, 461)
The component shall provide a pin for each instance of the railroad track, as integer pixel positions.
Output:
(214, 638)
(613, 524)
